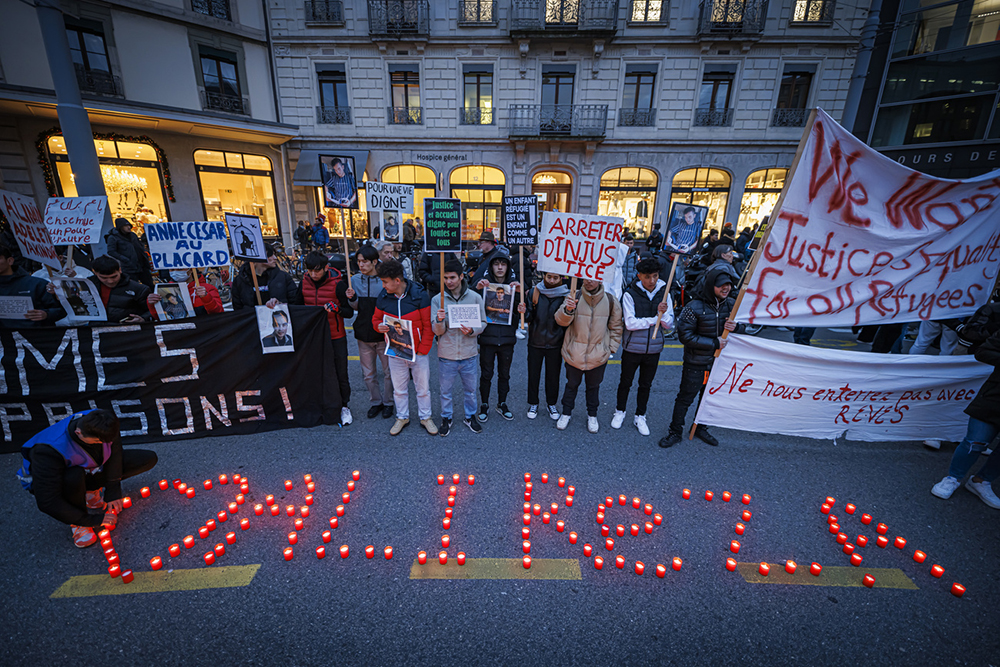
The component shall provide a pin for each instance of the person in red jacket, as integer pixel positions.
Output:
(324, 286)
(205, 297)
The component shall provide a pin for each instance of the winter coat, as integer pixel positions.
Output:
(127, 297)
(415, 306)
(593, 330)
(320, 236)
(655, 241)
(366, 292)
(21, 283)
(484, 265)
(429, 269)
(502, 334)
(274, 284)
(639, 317)
(719, 264)
(329, 293)
(543, 330)
(452, 343)
(128, 250)
(980, 326)
(210, 304)
(985, 406)
(700, 324)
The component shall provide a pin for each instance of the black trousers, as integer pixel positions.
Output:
(76, 481)
(340, 363)
(692, 384)
(646, 364)
(552, 358)
(574, 376)
(502, 355)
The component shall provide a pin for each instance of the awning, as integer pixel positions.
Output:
(307, 169)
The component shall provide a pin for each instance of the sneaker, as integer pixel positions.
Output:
(985, 492)
(592, 424)
(374, 411)
(445, 426)
(387, 411)
(532, 411)
(932, 444)
(428, 424)
(345, 416)
(945, 487)
(505, 411)
(616, 421)
(553, 413)
(640, 423)
(94, 500)
(669, 440)
(563, 422)
(702, 434)
(484, 412)
(473, 424)
(987, 452)
(399, 426)
(83, 536)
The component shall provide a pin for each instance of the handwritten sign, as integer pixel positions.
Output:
(520, 220)
(442, 225)
(572, 244)
(463, 315)
(75, 220)
(29, 229)
(187, 245)
(389, 197)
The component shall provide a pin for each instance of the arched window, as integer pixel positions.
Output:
(237, 183)
(703, 186)
(629, 193)
(761, 194)
(424, 181)
(481, 191)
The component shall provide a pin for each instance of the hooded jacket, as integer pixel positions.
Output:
(329, 293)
(543, 330)
(366, 291)
(593, 330)
(429, 269)
(502, 334)
(452, 343)
(484, 264)
(127, 297)
(274, 284)
(128, 250)
(700, 324)
(21, 283)
(414, 306)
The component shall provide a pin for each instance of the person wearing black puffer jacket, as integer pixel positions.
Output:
(276, 286)
(496, 343)
(124, 299)
(126, 247)
(545, 339)
(700, 327)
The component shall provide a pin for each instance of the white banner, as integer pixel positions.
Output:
(585, 246)
(861, 239)
(775, 387)
(29, 229)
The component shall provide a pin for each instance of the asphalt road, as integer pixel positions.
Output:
(370, 612)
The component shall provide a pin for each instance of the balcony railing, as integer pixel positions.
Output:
(228, 103)
(476, 116)
(325, 11)
(732, 17)
(406, 115)
(217, 8)
(550, 120)
(709, 117)
(99, 83)
(333, 115)
(477, 12)
(790, 117)
(398, 19)
(813, 11)
(636, 117)
(564, 16)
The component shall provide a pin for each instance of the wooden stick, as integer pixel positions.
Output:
(256, 287)
(572, 287)
(666, 293)
(520, 261)
(69, 258)
(441, 277)
(196, 283)
(347, 254)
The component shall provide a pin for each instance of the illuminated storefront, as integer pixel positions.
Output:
(237, 183)
(761, 194)
(356, 219)
(481, 190)
(629, 193)
(423, 180)
(703, 186)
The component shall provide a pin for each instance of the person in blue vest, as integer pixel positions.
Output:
(75, 469)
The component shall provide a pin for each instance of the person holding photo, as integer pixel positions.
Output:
(496, 343)
(279, 336)
(15, 281)
(276, 286)
(124, 299)
(362, 295)
(205, 297)
(545, 339)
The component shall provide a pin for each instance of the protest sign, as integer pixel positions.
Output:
(75, 220)
(80, 299)
(581, 246)
(340, 186)
(15, 307)
(29, 229)
(686, 224)
(776, 387)
(187, 245)
(463, 315)
(499, 303)
(274, 326)
(520, 220)
(245, 237)
(860, 239)
(389, 197)
(442, 225)
(175, 302)
(399, 338)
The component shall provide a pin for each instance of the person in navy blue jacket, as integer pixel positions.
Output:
(15, 281)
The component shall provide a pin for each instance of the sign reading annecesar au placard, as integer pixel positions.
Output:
(861, 239)
(520, 220)
(75, 220)
(584, 246)
(29, 229)
(442, 225)
(187, 245)
(770, 386)
(389, 197)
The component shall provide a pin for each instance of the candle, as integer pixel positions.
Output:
(633, 529)
(275, 510)
(661, 571)
(825, 509)
(622, 500)
(868, 581)
(569, 501)
(709, 495)
(446, 523)
(321, 552)
(546, 517)
(536, 509)
(554, 508)
(746, 498)
(443, 557)
(307, 478)
(740, 528)
(223, 479)
(344, 551)
(609, 501)
(526, 546)
(304, 511)
(899, 542)
(350, 485)
(560, 526)
(106, 543)
(346, 497)
(164, 485)
(527, 519)
(144, 492)
(472, 480)
(657, 519)
(850, 508)
(958, 590)
(620, 562)
(203, 532)
(327, 536)
(309, 499)
(356, 475)
(293, 538)
(620, 530)
(830, 501)
(587, 550)
(113, 558)
(730, 565)
(856, 559)
(451, 501)
(882, 541)
(207, 484)
(834, 529)
(209, 558)
(222, 516)
(734, 546)
(236, 478)
(609, 544)
(937, 571)
(526, 561)
(573, 538)
(299, 523)
(686, 494)
(815, 569)
(388, 553)
(288, 485)
(174, 550)
(545, 478)
(449, 512)
(647, 509)
(676, 564)
(849, 548)
(842, 538)
(269, 500)
(370, 551)
(570, 490)
(648, 527)
(882, 529)
(527, 477)
(445, 541)
(189, 493)
(746, 515)
(726, 496)
(561, 482)
(832, 519)
(340, 510)
(602, 507)
(114, 570)
(230, 538)
(636, 503)
(605, 530)
(527, 495)
(233, 508)
(452, 490)
(862, 541)
(460, 558)
(600, 517)
(525, 533)
(182, 488)
(333, 522)
(288, 553)
(127, 576)
(598, 563)
(919, 556)
(422, 557)
(220, 549)
(866, 519)
(764, 569)
(790, 566)
(188, 541)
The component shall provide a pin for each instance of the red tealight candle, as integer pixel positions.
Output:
(299, 523)
(545, 478)
(842, 538)
(309, 499)
(370, 551)
(560, 526)
(527, 477)
(882, 529)
(127, 502)
(648, 527)
(554, 508)
(764, 569)
(709, 495)
(446, 523)
(866, 519)
(526, 546)
(269, 500)
(746, 515)
(222, 516)
(657, 519)
(237, 479)
(304, 511)
(633, 529)
(144, 492)
(609, 501)
(275, 510)
(536, 509)
(937, 571)
(460, 558)
(790, 566)
(128, 576)
(451, 501)
(327, 536)
(189, 493)
(832, 518)
(899, 542)
(602, 507)
(445, 541)
(570, 490)
(526, 518)
(289, 510)
(636, 503)
(525, 533)
(472, 480)
(176, 483)
(106, 543)
(233, 508)
(344, 551)
(676, 564)
(868, 581)
(209, 558)
(622, 500)
(620, 562)
(258, 509)
(686, 494)
(815, 569)
(600, 517)
(856, 559)
(919, 556)
(561, 482)
(661, 571)
(740, 529)
(164, 485)
(746, 498)
(546, 517)
(830, 501)
(849, 548)
(203, 532)
(647, 509)
(620, 530)
(862, 541)
(825, 509)
(350, 486)
(288, 553)
(834, 528)
(734, 546)
(958, 590)
(730, 565)
(333, 522)
(850, 508)
(609, 544)
(220, 549)
(307, 478)
(388, 553)
(526, 561)
(443, 557)
(113, 558)
(726, 496)
(223, 479)
(882, 541)
(182, 488)
(598, 563)
(572, 538)
(174, 550)
(356, 475)
(640, 567)
(114, 570)
(293, 538)
(188, 541)
(104, 534)
(321, 552)
(422, 557)
(605, 530)
(288, 485)
(452, 490)
(569, 501)
(230, 538)
(587, 550)
(346, 497)
(340, 510)
(207, 484)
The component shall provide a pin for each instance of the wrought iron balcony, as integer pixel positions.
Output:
(97, 82)
(333, 115)
(553, 120)
(710, 117)
(477, 12)
(325, 11)
(790, 117)
(213, 101)
(399, 19)
(406, 115)
(636, 117)
(813, 12)
(564, 16)
(216, 8)
(476, 116)
(732, 17)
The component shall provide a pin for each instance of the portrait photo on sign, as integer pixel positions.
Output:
(499, 303)
(80, 299)
(340, 187)
(245, 238)
(275, 329)
(685, 225)
(391, 229)
(175, 301)
(399, 339)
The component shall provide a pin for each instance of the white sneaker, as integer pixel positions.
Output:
(345, 416)
(640, 423)
(532, 411)
(932, 444)
(945, 487)
(985, 492)
(563, 422)
(987, 452)
(553, 413)
(592, 424)
(616, 421)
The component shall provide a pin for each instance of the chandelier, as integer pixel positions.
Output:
(118, 181)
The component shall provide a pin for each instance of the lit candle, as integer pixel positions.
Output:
(422, 557)
(571, 490)
(709, 495)
(740, 528)
(546, 517)
(561, 482)
(346, 497)
(600, 517)
(449, 512)
(882, 541)
(293, 538)
(850, 508)
(842, 538)
(307, 478)
(451, 501)
(609, 544)
(657, 519)
(526, 561)
(815, 569)
(572, 538)
(188, 541)
(569, 501)
(602, 507)
(730, 564)
(598, 563)
(344, 551)
(620, 530)
(866, 519)
(327, 536)
(526, 518)
(288, 553)
(388, 553)
(299, 523)
(236, 478)
(545, 478)
(919, 556)
(182, 488)
(207, 484)
(209, 558)
(233, 508)
(350, 486)
(189, 493)
(832, 519)
(471, 480)
(222, 516)
(790, 566)
(587, 550)
(862, 541)
(526, 546)
(321, 552)
(825, 509)
(622, 500)
(174, 550)
(203, 532)
(445, 541)
(647, 509)
(333, 522)
(144, 492)
(849, 548)
(309, 499)
(527, 495)
(460, 558)
(370, 551)
(882, 529)
(734, 546)
(726, 496)
(230, 538)
(661, 571)
(113, 558)
(223, 479)
(114, 570)
(275, 510)
(764, 569)
(676, 564)
(443, 557)
(288, 485)
(648, 527)
(636, 503)
(446, 523)
(686, 494)
(356, 475)
(937, 571)
(620, 562)
(746, 515)
(856, 559)
(605, 530)
(746, 498)
(340, 510)
(127, 576)
(527, 477)
(304, 511)
(834, 528)
(220, 549)
(525, 533)
(164, 485)
(899, 542)
(452, 490)
(536, 509)
(958, 590)
(560, 526)
(831, 501)
(106, 543)
(554, 508)
(609, 501)
(868, 581)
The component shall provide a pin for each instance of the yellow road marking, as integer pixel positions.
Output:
(353, 357)
(832, 575)
(498, 568)
(662, 363)
(91, 585)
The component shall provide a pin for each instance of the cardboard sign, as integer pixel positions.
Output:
(75, 220)
(399, 338)
(389, 197)
(463, 315)
(15, 307)
(442, 225)
(584, 246)
(520, 220)
(187, 245)
(245, 237)
(29, 229)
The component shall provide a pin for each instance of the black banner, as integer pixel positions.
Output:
(442, 225)
(519, 217)
(167, 380)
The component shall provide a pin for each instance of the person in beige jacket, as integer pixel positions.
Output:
(593, 321)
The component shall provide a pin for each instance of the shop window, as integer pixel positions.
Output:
(629, 193)
(703, 186)
(761, 194)
(357, 220)
(424, 181)
(237, 183)
(481, 190)
(554, 190)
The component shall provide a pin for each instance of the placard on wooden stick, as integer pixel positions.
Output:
(442, 225)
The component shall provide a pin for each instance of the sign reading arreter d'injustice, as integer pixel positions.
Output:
(582, 246)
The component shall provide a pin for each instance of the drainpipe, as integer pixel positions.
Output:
(861, 63)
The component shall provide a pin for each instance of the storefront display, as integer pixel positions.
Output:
(762, 191)
(704, 186)
(481, 190)
(237, 183)
(629, 193)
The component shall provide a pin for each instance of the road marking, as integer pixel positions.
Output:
(353, 357)
(499, 568)
(662, 363)
(832, 575)
(92, 585)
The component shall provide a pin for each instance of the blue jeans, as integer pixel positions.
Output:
(977, 438)
(466, 370)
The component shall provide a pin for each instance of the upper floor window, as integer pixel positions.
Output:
(478, 95)
(405, 84)
(220, 78)
(813, 11)
(477, 11)
(946, 26)
(792, 109)
(562, 12)
(637, 96)
(89, 52)
(647, 11)
(217, 8)
(333, 103)
(715, 96)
